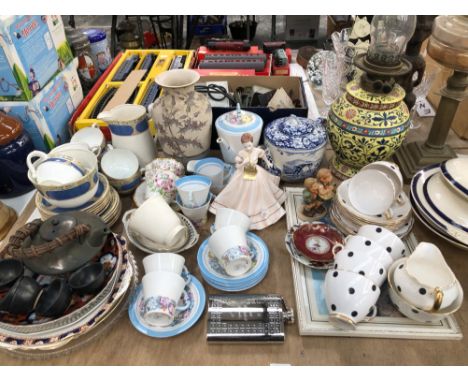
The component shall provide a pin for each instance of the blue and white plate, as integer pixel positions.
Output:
(215, 275)
(183, 321)
(434, 228)
(427, 206)
(241, 288)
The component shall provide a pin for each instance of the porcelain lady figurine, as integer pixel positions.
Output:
(252, 190)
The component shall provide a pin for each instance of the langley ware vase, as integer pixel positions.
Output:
(181, 115)
(366, 127)
(231, 126)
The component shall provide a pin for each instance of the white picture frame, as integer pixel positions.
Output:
(312, 316)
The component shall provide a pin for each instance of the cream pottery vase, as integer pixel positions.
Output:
(181, 115)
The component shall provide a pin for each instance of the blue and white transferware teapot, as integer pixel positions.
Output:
(230, 127)
(296, 146)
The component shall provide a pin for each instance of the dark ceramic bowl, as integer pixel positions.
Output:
(55, 299)
(10, 271)
(88, 279)
(23, 296)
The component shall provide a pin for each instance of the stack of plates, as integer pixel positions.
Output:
(214, 274)
(348, 220)
(34, 336)
(440, 204)
(105, 203)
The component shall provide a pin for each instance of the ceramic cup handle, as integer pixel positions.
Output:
(438, 298)
(186, 276)
(372, 315)
(126, 219)
(32, 166)
(388, 214)
(337, 248)
(191, 165)
(187, 304)
(150, 110)
(191, 200)
(400, 199)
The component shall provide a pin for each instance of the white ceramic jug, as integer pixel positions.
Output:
(128, 124)
(427, 280)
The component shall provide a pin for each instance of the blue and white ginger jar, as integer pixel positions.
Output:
(296, 146)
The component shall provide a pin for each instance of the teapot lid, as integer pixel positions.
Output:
(296, 133)
(239, 121)
(72, 254)
(10, 128)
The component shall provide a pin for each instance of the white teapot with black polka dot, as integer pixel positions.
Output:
(425, 280)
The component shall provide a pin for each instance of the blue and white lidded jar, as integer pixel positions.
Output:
(296, 146)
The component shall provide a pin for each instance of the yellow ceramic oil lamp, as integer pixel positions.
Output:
(369, 122)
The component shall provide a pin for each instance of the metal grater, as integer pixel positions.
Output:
(247, 318)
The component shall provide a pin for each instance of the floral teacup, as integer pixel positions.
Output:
(162, 290)
(229, 245)
(236, 261)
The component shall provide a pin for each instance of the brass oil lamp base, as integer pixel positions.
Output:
(448, 45)
(416, 155)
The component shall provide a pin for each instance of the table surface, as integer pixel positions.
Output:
(124, 345)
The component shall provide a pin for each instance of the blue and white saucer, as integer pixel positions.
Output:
(183, 321)
(214, 274)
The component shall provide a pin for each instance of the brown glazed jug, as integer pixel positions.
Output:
(15, 145)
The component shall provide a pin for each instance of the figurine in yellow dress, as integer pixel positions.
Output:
(252, 190)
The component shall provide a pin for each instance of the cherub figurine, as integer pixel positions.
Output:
(252, 190)
(317, 192)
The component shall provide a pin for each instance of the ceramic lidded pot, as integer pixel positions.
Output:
(60, 244)
(296, 145)
(15, 145)
(230, 127)
(365, 127)
(181, 115)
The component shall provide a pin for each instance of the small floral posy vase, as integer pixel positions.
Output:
(165, 164)
(366, 127)
(161, 182)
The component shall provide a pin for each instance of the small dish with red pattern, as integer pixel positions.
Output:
(315, 240)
